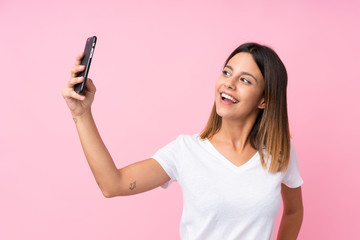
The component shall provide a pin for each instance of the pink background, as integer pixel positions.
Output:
(155, 68)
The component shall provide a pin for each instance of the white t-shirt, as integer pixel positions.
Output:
(221, 200)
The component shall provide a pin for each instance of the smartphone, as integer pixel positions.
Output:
(86, 60)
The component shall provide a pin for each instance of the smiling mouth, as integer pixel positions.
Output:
(228, 97)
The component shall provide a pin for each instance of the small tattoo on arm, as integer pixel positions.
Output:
(75, 120)
(132, 185)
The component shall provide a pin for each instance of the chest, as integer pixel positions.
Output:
(223, 192)
(237, 159)
(234, 157)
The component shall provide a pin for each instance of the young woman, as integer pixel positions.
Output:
(234, 173)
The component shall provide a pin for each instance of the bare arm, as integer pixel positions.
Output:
(293, 213)
(135, 178)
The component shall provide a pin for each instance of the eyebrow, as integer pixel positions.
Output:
(242, 73)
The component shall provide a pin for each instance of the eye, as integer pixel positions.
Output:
(245, 80)
(225, 73)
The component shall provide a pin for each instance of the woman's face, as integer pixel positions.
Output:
(242, 82)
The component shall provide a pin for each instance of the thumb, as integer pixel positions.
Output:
(90, 85)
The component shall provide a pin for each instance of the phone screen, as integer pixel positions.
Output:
(86, 60)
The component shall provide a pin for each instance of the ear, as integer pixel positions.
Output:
(262, 103)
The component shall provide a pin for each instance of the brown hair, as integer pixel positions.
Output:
(271, 128)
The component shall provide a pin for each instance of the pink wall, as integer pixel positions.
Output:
(168, 54)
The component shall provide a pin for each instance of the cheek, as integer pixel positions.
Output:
(217, 86)
(218, 83)
(253, 97)
(246, 93)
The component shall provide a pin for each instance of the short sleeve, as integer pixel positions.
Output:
(292, 177)
(169, 157)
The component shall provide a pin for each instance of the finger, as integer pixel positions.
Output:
(69, 93)
(76, 69)
(66, 93)
(79, 58)
(77, 96)
(73, 81)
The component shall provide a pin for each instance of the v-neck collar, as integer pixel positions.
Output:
(210, 147)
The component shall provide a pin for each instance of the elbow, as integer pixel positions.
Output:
(298, 211)
(109, 193)
(111, 189)
(112, 192)
(296, 214)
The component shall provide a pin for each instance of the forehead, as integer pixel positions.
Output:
(244, 62)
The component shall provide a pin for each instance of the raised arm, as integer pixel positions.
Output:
(135, 178)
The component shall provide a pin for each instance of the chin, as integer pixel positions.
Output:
(228, 114)
(225, 114)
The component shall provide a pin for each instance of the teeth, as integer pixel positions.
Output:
(229, 97)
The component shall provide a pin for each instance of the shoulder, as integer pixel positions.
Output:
(190, 138)
(292, 160)
(293, 156)
(292, 177)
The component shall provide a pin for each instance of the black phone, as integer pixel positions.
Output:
(86, 60)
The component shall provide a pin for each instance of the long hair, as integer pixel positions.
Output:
(271, 128)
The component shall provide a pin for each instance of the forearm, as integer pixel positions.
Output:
(99, 159)
(290, 225)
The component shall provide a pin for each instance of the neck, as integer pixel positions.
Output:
(236, 132)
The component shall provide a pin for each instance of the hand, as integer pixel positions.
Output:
(79, 104)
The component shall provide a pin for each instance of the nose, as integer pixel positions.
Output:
(230, 83)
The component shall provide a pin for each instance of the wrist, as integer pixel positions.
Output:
(86, 115)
